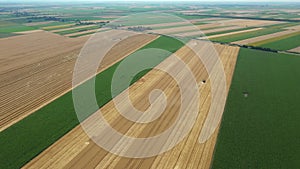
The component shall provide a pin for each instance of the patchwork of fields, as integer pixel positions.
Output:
(258, 46)
(84, 150)
(53, 70)
(32, 144)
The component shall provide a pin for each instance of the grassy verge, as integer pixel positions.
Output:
(285, 42)
(26, 139)
(245, 35)
(261, 130)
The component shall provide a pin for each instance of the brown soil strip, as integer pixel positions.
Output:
(297, 49)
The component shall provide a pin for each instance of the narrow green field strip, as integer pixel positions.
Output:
(184, 31)
(213, 33)
(281, 25)
(216, 27)
(78, 30)
(189, 16)
(246, 35)
(173, 26)
(87, 33)
(83, 34)
(228, 31)
(200, 23)
(274, 39)
(6, 35)
(10, 27)
(16, 28)
(51, 24)
(282, 43)
(52, 28)
(261, 130)
(26, 139)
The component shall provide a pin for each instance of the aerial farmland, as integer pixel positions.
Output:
(149, 84)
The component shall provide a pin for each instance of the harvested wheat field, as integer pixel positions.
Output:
(199, 32)
(264, 37)
(249, 22)
(297, 27)
(40, 67)
(82, 32)
(210, 25)
(77, 150)
(297, 49)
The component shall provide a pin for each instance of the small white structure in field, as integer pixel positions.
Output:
(246, 94)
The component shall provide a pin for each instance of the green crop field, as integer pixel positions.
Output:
(261, 130)
(56, 27)
(51, 24)
(5, 35)
(281, 25)
(281, 43)
(228, 31)
(10, 27)
(245, 35)
(30, 136)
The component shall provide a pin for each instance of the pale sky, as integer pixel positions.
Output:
(149, 0)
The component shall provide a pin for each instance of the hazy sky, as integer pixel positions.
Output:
(150, 0)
